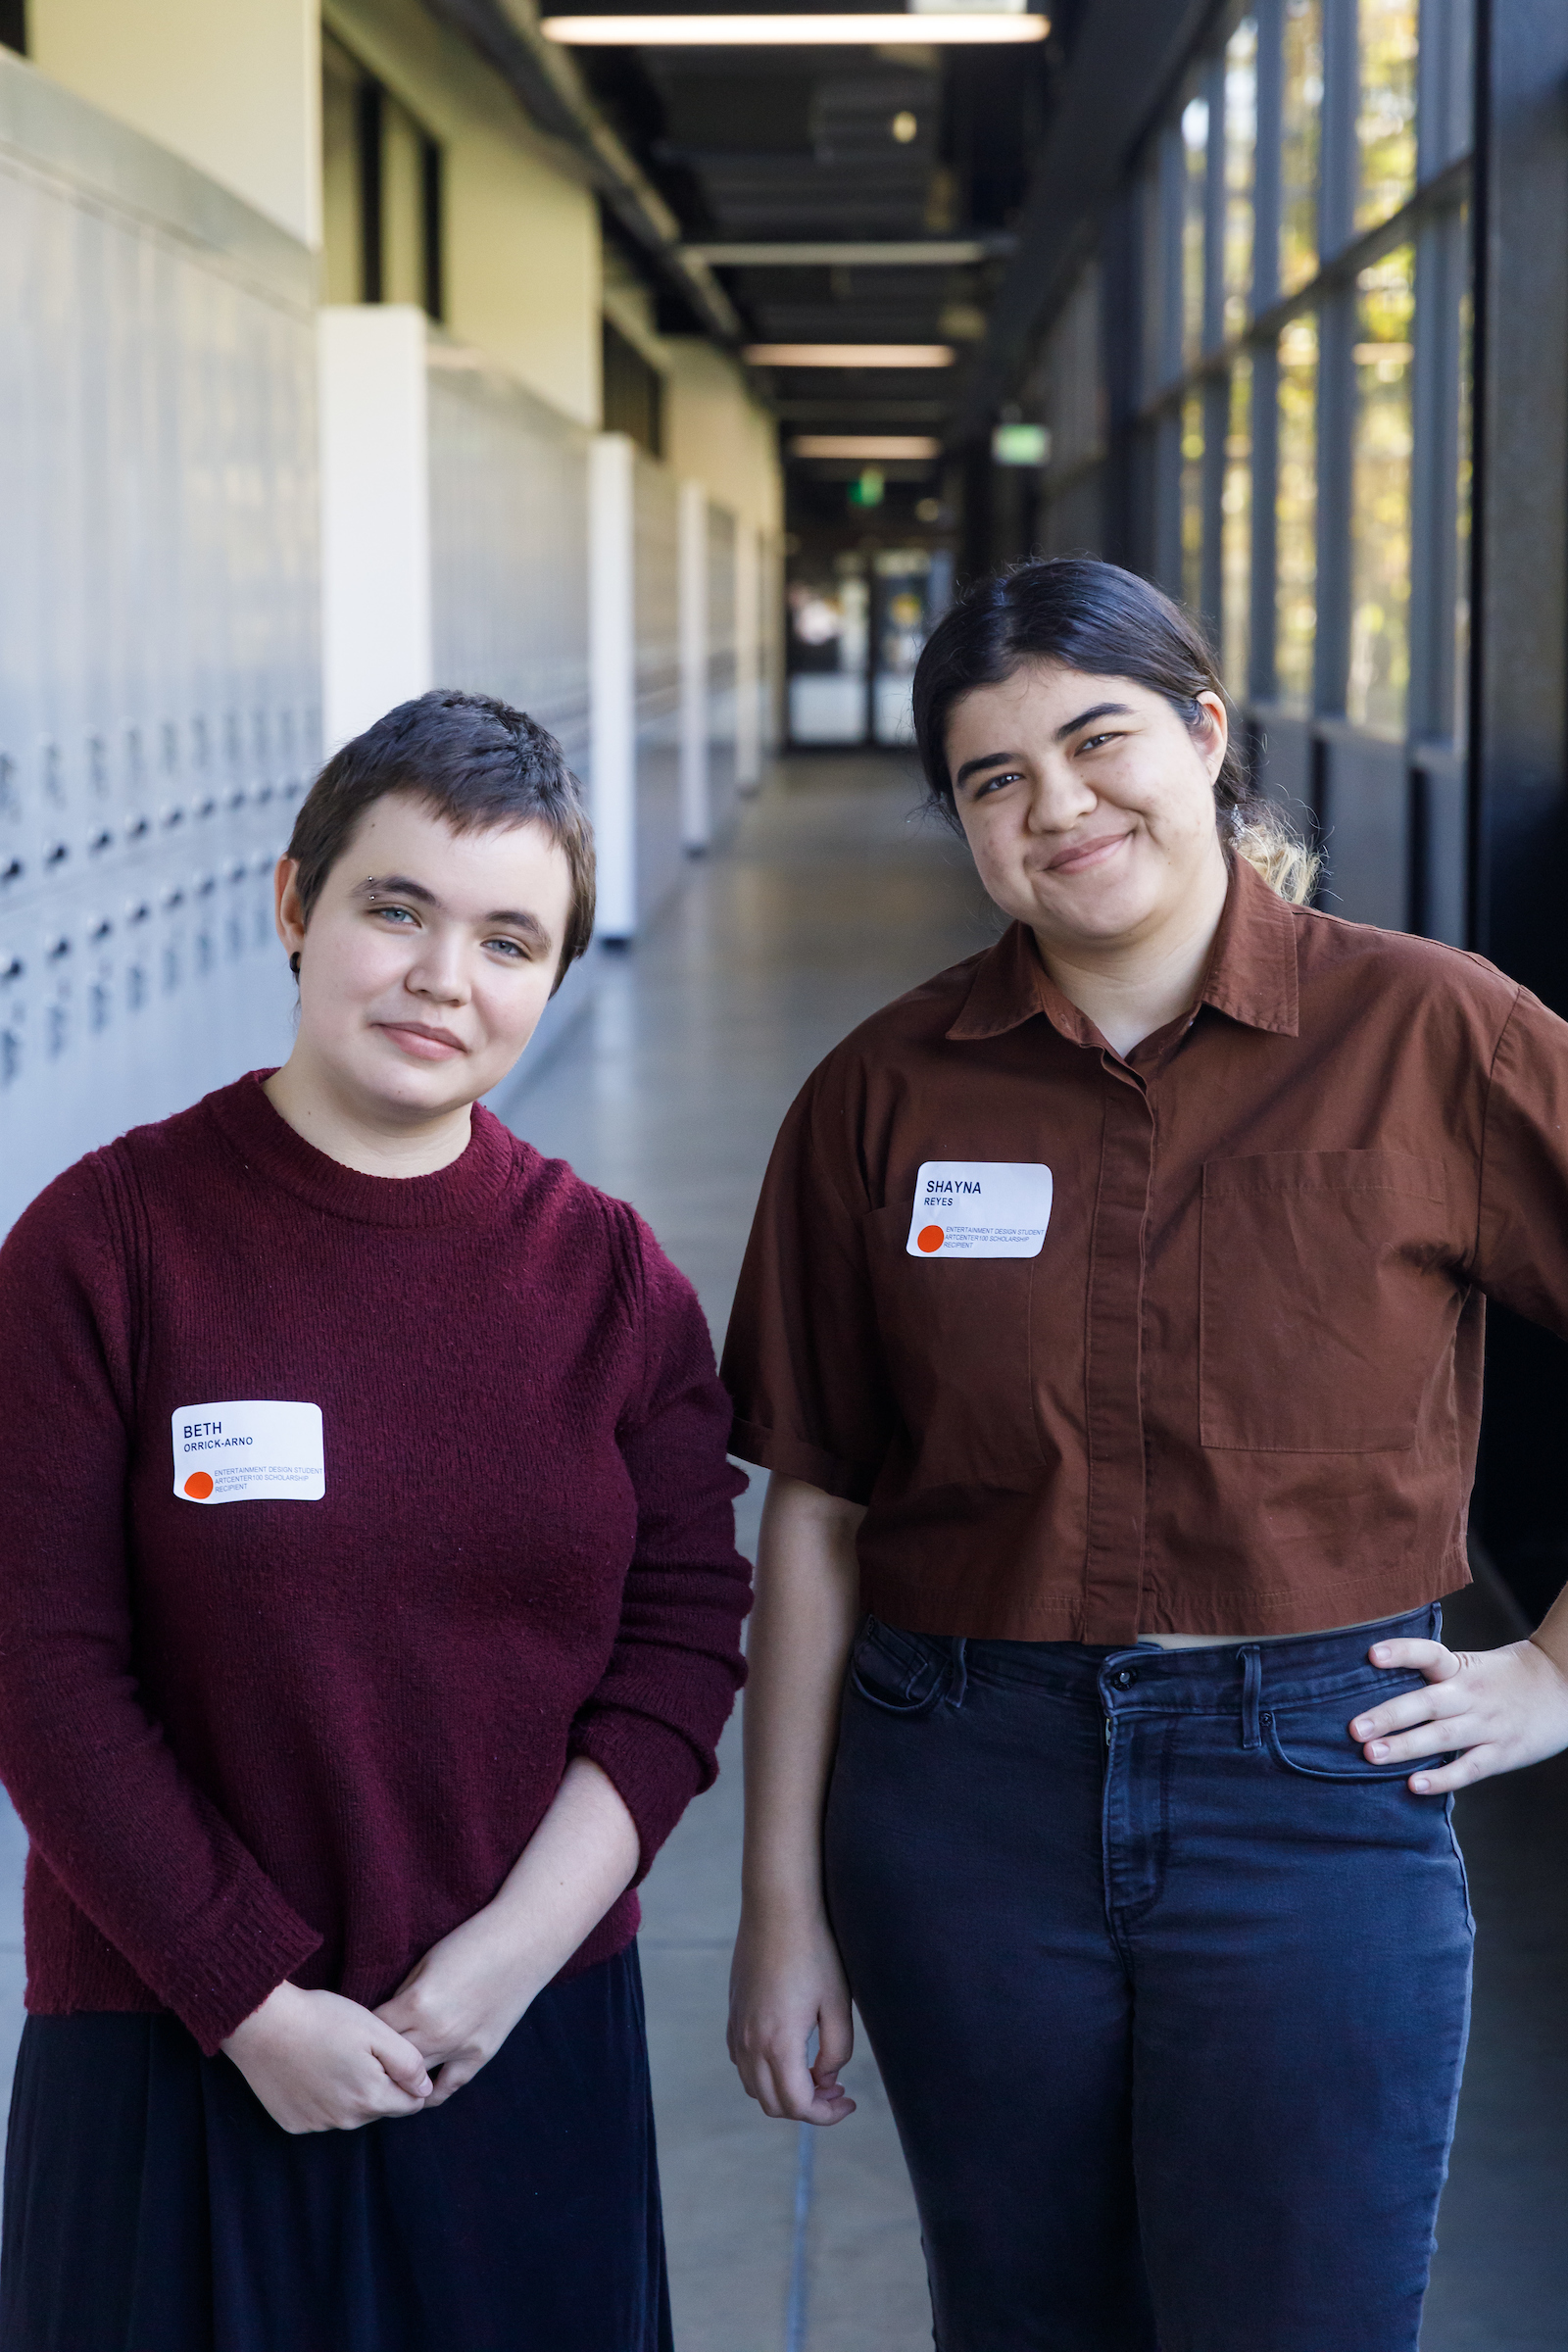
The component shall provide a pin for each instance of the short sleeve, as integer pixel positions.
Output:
(802, 1358)
(1521, 1254)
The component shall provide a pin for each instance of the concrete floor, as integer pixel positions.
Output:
(667, 1091)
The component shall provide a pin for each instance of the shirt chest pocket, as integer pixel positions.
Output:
(1326, 1306)
(955, 1334)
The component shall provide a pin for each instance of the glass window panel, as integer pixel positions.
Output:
(1240, 166)
(1300, 142)
(1461, 603)
(403, 206)
(1296, 516)
(1385, 124)
(1380, 494)
(1195, 148)
(1151, 371)
(1192, 502)
(1236, 534)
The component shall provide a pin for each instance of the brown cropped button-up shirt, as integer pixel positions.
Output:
(1236, 1386)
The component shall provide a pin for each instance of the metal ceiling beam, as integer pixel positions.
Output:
(1124, 60)
(822, 253)
(550, 87)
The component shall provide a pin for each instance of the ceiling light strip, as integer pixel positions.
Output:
(821, 253)
(849, 354)
(878, 31)
(887, 448)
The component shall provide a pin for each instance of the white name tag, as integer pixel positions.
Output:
(249, 1453)
(980, 1208)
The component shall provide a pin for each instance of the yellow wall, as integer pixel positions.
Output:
(522, 258)
(714, 431)
(522, 270)
(232, 86)
(716, 434)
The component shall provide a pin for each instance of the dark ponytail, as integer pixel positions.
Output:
(1106, 623)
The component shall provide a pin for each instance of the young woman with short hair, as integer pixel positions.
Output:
(1112, 1325)
(369, 1614)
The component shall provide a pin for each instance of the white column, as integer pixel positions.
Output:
(696, 816)
(613, 681)
(770, 602)
(375, 514)
(747, 667)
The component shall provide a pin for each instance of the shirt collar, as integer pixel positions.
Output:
(1252, 973)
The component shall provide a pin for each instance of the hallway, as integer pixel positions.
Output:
(667, 1089)
(667, 1093)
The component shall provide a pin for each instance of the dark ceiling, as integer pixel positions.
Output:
(840, 145)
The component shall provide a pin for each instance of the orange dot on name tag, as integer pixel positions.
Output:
(198, 1485)
(929, 1238)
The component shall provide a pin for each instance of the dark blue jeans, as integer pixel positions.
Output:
(1169, 1988)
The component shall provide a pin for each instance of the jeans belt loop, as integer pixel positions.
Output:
(957, 1672)
(1252, 1693)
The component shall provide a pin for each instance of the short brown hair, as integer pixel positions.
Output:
(473, 762)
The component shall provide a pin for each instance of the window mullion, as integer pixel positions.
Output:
(1335, 424)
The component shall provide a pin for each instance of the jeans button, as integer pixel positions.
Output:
(1125, 1680)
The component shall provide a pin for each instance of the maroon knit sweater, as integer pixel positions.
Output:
(281, 1737)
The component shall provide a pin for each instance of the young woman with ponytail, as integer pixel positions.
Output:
(1111, 1327)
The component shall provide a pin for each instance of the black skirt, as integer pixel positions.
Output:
(153, 2205)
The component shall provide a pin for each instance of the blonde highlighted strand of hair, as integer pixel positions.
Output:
(1272, 848)
(1254, 828)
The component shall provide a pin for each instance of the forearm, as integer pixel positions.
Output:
(582, 1855)
(805, 1618)
(787, 1983)
(1551, 1634)
(460, 2002)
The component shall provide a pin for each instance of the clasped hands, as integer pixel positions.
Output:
(1500, 1708)
(321, 2063)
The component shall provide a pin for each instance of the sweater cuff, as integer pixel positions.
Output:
(655, 1772)
(249, 1948)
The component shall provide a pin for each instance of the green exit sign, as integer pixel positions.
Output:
(1020, 444)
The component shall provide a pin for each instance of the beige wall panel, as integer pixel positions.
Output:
(522, 270)
(521, 248)
(714, 431)
(233, 86)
